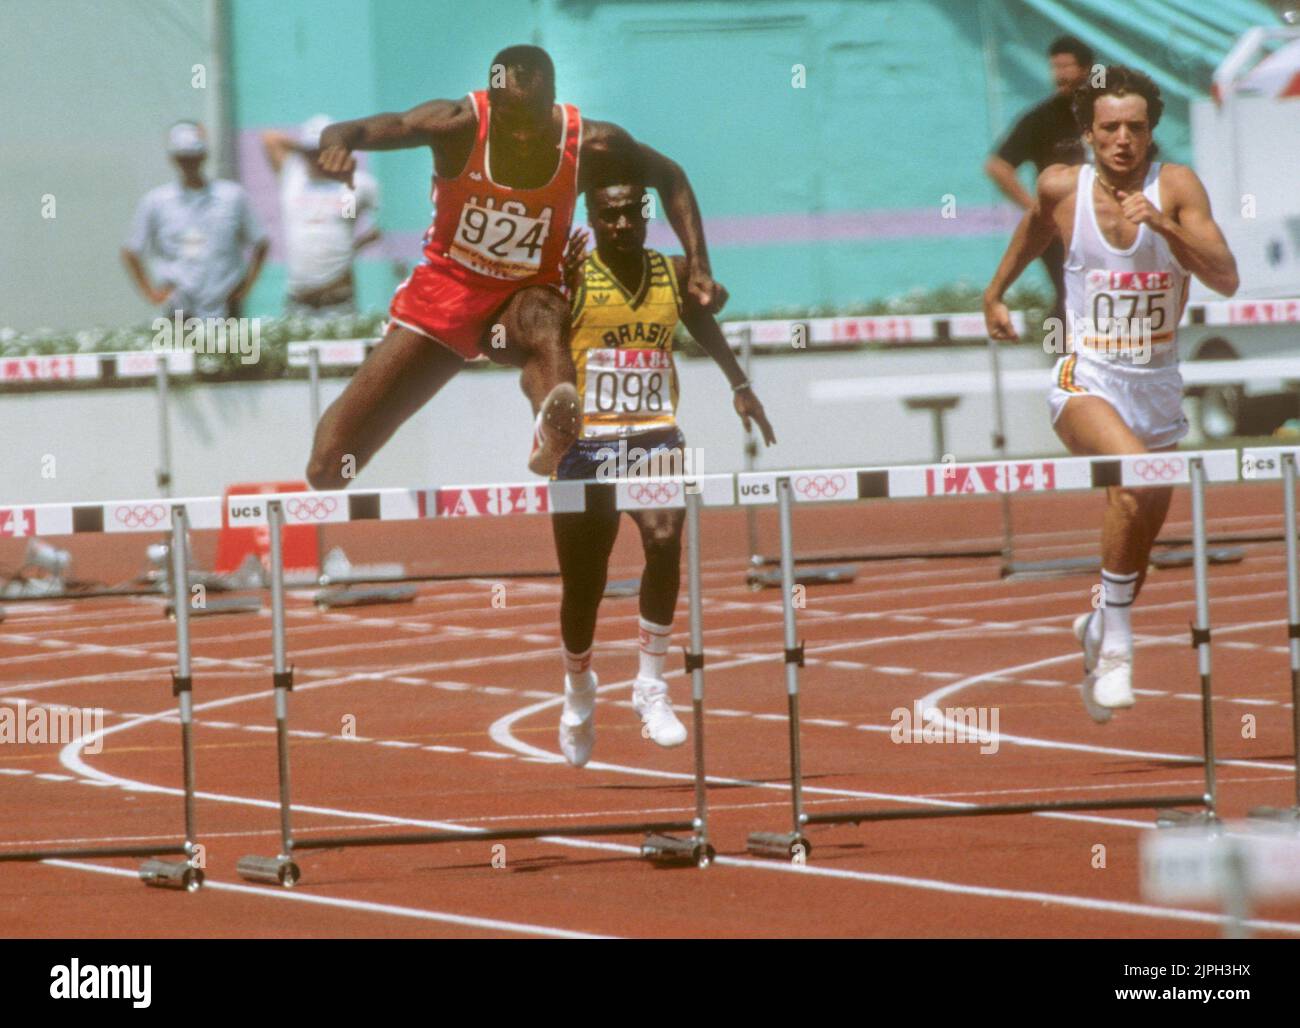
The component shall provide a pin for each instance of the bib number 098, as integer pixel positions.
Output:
(629, 394)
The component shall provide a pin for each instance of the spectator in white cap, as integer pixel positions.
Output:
(196, 234)
(326, 224)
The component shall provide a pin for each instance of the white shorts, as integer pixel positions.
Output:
(1148, 400)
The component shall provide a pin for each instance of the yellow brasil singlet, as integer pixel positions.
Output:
(622, 347)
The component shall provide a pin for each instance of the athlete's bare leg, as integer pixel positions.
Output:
(1089, 426)
(661, 542)
(399, 377)
(536, 339)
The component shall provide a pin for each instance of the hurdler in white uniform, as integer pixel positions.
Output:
(1122, 311)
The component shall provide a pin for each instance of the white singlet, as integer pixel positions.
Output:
(1122, 312)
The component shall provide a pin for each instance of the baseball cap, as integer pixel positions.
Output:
(186, 139)
(309, 133)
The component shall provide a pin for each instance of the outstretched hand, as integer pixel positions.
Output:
(575, 252)
(710, 295)
(751, 410)
(337, 162)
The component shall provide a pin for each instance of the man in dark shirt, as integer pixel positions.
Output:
(1046, 134)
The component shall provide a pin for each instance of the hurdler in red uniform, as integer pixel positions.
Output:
(508, 165)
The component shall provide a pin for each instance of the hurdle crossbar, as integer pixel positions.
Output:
(144, 516)
(1193, 469)
(277, 509)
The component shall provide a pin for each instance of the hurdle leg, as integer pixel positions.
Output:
(280, 869)
(1291, 814)
(1000, 448)
(164, 472)
(1201, 640)
(696, 850)
(792, 844)
(183, 874)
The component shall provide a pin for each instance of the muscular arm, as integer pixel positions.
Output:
(1193, 236)
(1031, 238)
(603, 140)
(704, 329)
(1004, 177)
(395, 131)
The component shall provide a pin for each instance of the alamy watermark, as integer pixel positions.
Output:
(946, 724)
(1130, 338)
(209, 336)
(103, 981)
(623, 462)
(41, 725)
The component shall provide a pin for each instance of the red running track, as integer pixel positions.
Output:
(443, 713)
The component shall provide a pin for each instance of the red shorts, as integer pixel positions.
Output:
(451, 310)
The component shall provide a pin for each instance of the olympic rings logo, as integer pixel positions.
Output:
(816, 487)
(659, 493)
(141, 516)
(1159, 469)
(312, 508)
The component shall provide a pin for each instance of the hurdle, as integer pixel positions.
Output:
(558, 497)
(135, 516)
(936, 480)
(1275, 462)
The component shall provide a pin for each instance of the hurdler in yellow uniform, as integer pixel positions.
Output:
(627, 302)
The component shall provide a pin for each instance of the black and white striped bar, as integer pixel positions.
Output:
(107, 518)
(917, 481)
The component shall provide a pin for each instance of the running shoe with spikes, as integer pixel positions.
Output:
(1114, 680)
(557, 426)
(1091, 651)
(577, 722)
(650, 698)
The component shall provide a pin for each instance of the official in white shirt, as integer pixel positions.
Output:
(196, 235)
(322, 220)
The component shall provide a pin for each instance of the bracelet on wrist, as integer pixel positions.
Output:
(742, 385)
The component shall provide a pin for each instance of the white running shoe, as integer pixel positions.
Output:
(650, 698)
(1087, 686)
(558, 423)
(577, 723)
(1114, 680)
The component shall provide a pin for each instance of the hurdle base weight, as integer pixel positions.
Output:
(1283, 815)
(782, 845)
(671, 851)
(1173, 818)
(357, 596)
(269, 870)
(170, 874)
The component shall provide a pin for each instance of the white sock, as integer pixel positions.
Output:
(1095, 625)
(654, 649)
(1117, 602)
(578, 668)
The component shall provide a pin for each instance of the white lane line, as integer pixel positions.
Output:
(364, 906)
(502, 734)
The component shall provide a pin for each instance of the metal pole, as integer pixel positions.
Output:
(181, 681)
(281, 676)
(313, 376)
(1292, 607)
(751, 451)
(1201, 634)
(695, 601)
(793, 655)
(940, 446)
(164, 472)
(1000, 448)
